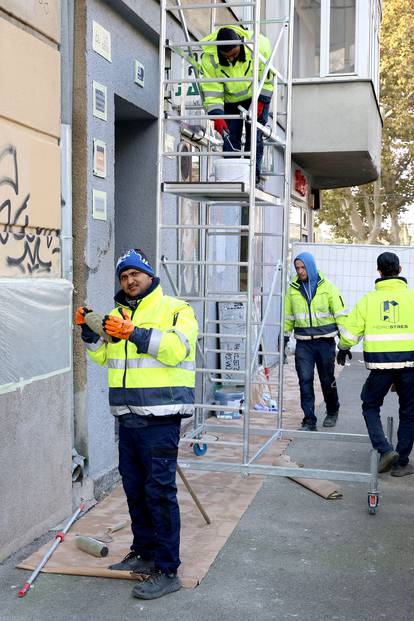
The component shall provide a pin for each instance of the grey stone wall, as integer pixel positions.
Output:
(35, 460)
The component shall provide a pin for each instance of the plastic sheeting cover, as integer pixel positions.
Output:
(36, 327)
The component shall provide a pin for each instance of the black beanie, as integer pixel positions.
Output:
(227, 34)
(388, 264)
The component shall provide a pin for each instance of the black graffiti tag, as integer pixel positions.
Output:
(17, 221)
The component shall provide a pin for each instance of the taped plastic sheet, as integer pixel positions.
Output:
(36, 328)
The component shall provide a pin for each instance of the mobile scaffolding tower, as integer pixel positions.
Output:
(232, 215)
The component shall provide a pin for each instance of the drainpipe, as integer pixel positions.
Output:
(66, 51)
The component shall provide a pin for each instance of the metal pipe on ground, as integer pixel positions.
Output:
(58, 539)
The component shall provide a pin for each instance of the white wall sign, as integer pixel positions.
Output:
(98, 205)
(101, 41)
(99, 102)
(99, 158)
(233, 356)
(139, 73)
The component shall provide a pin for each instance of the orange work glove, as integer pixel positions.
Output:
(260, 107)
(120, 328)
(81, 311)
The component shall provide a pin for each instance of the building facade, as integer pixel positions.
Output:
(78, 186)
(35, 301)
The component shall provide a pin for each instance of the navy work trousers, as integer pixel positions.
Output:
(373, 393)
(147, 464)
(233, 143)
(319, 352)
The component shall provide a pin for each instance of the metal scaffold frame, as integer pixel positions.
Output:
(256, 300)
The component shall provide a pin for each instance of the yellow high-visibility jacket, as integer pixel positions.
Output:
(217, 93)
(322, 317)
(384, 318)
(153, 372)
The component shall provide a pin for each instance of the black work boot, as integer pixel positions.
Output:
(401, 471)
(330, 420)
(157, 585)
(307, 425)
(133, 562)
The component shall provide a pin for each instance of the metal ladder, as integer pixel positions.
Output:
(225, 214)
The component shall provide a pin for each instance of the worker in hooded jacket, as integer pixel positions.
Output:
(315, 311)
(235, 61)
(151, 376)
(384, 319)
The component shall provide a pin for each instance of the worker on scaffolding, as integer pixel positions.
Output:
(315, 311)
(236, 61)
(151, 376)
(384, 318)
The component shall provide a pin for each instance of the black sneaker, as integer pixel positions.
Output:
(330, 420)
(387, 460)
(133, 562)
(157, 585)
(307, 425)
(401, 471)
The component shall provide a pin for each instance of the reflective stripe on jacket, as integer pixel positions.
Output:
(384, 318)
(322, 317)
(217, 93)
(161, 381)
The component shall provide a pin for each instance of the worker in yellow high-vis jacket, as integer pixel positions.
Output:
(384, 318)
(314, 310)
(151, 376)
(235, 61)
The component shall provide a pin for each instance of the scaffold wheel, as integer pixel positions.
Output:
(200, 449)
(373, 500)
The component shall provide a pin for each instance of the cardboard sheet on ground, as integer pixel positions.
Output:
(326, 489)
(224, 496)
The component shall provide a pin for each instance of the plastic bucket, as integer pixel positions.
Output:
(231, 398)
(232, 170)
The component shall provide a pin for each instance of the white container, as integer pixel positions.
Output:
(230, 397)
(232, 170)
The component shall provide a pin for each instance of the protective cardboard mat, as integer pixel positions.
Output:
(326, 489)
(224, 496)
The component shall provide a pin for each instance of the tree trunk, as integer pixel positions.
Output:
(357, 225)
(374, 233)
(395, 229)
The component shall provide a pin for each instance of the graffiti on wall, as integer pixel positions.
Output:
(24, 250)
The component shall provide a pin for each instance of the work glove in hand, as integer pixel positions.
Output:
(221, 126)
(88, 335)
(260, 108)
(118, 327)
(81, 311)
(341, 356)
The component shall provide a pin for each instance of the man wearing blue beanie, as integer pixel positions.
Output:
(151, 377)
(314, 310)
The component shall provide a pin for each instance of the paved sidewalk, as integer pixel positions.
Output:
(292, 556)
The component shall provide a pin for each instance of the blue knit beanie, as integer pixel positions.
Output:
(134, 258)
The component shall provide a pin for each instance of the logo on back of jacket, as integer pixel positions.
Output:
(390, 315)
